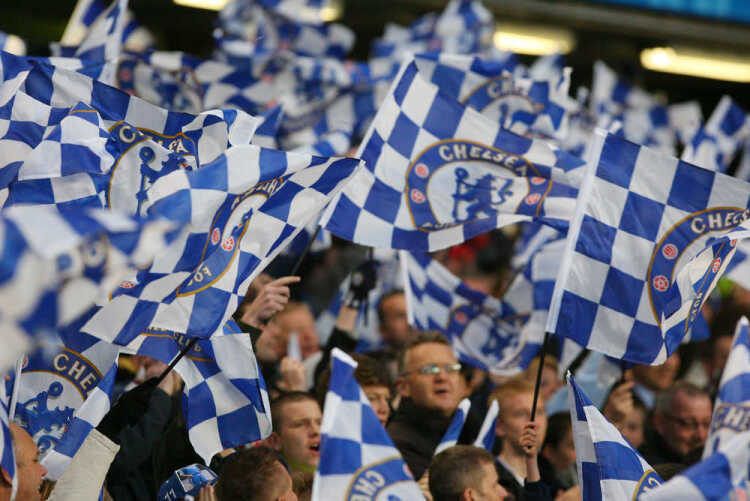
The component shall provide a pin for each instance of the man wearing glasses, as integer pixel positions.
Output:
(681, 420)
(430, 386)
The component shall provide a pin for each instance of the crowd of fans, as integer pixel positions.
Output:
(414, 383)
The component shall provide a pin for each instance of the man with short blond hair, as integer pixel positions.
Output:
(464, 473)
(431, 387)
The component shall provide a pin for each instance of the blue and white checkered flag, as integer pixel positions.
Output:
(406, 200)
(486, 436)
(520, 104)
(88, 161)
(464, 27)
(612, 94)
(268, 129)
(225, 398)
(64, 391)
(731, 414)
(647, 245)
(485, 332)
(713, 479)
(450, 438)
(244, 208)
(354, 447)
(714, 146)
(57, 265)
(608, 466)
(102, 42)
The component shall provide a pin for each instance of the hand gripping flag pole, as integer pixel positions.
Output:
(538, 383)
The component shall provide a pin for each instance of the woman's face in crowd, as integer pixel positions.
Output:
(379, 397)
(633, 427)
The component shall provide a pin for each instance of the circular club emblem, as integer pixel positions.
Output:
(127, 284)
(417, 196)
(460, 317)
(228, 244)
(536, 180)
(669, 251)
(422, 170)
(716, 265)
(533, 198)
(661, 283)
(215, 235)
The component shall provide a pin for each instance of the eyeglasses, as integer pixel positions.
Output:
(434, 369)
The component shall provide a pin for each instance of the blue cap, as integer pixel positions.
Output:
(187, 481)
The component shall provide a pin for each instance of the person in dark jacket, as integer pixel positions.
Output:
(431, 387)
(131, 475)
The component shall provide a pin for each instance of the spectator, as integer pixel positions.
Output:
(296, 422)
(463, 473)
(374, 380)
(28, 469)
(302, 484)
(627, 412)
(550, 382)
(558, 461)
(705, 372)
(393, 323)
(517, 462)
(254, 474)
(681, 419)
(651, 379)
(430, 387)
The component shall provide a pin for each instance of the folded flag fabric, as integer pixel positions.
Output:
(357, 456)
(714, 146)
(650, 238)
(243, 208)
(450, 438)
(713, 479)
(64, 391)
(404, 199)
(225, 398)
(608, 466)
(486, 436)
(731, 414)
(57, 265)
(485, 332)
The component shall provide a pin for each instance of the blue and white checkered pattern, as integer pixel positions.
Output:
(520, 104)
(464, 27)
(486, 435)
(450, 438)
(713, 479)
(243, 209)
(644, 250)
(397, 203)
(332, 144)
(484, 331)
(732, 404)
(608, 466)
(56, 265)
(354, 445)
(88, 161)
(714, 146)
(611, 94)
(64, 391)
(225, 398)
(268, 129)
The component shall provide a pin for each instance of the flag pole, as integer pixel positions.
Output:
(182, 353)
(539, 375)
(305, 251)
